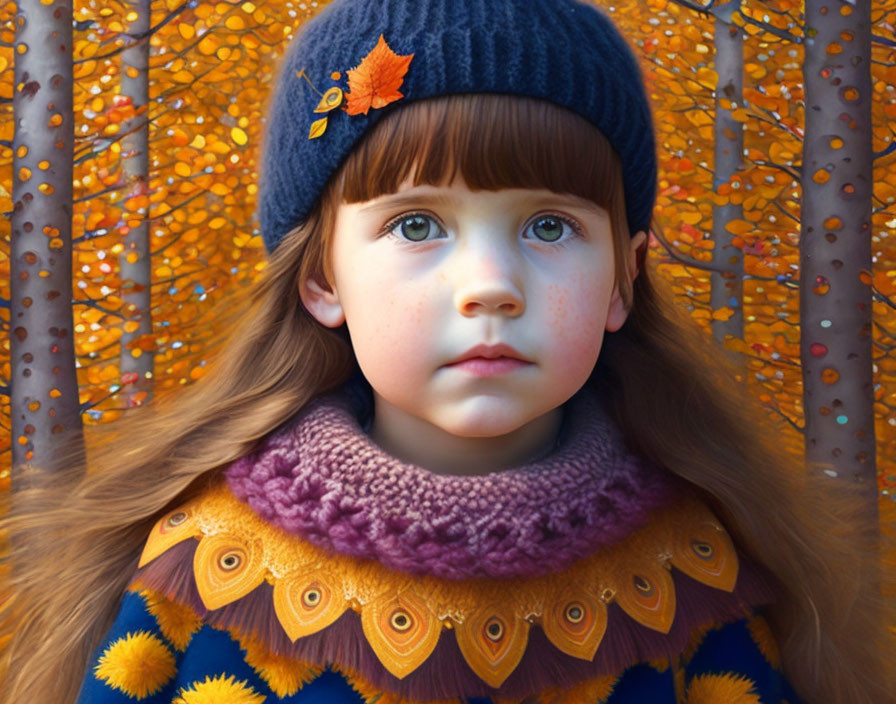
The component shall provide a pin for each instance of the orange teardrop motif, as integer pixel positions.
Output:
(226, 568)
(492, 640)
(172, 528)
(401, 629)
(307, 602)
(576, 622)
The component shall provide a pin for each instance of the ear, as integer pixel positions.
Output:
(617, 313)
(322, 302)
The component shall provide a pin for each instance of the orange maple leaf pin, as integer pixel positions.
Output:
(376, 80)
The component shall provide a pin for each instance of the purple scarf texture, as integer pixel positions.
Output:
(320, 476)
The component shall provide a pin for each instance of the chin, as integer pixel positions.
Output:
(481, 425)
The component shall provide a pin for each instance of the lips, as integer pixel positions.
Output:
(496, 351)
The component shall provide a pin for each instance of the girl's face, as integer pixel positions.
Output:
(426, 274)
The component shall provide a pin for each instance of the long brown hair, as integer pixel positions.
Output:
(77, 533)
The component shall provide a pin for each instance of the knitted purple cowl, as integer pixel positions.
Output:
(319, 476)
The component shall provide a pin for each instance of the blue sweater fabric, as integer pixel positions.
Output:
(728, 662)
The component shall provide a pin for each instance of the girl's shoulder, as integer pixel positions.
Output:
(640, 599)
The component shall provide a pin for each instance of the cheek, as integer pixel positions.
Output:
(391, 328)
(576, 316)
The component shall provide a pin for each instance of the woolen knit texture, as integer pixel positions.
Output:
(321, 477)
(563, 51)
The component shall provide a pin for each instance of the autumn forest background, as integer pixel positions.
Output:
(129, 138)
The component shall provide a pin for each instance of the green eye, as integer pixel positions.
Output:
(549, 228)
(413, 228)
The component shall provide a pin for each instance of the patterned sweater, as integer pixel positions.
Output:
(318, 568)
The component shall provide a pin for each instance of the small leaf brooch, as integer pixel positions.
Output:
(374, 83)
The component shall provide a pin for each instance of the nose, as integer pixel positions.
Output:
(488, 281)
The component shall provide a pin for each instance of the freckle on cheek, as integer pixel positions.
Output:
(557, 303)
(562, 306)
(418, 314)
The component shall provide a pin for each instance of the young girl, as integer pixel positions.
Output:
(457, 447)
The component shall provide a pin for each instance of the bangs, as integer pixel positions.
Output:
(494, 141)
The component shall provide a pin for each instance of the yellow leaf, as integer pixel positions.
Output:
(317, 128)
(739, 227)
(208, 45)
(196, 217)
(707, 75)
(238, 136)
(698, 118)
(778, 153)
(735, 344)
(884, 284)
(722, 313)
(180, 138)
(217, 147)
(85, 49)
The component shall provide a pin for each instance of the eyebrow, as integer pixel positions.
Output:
(398, 200)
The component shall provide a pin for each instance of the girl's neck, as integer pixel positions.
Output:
(414, 440)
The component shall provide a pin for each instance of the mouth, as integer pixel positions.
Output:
(490, 353)
(485, 366)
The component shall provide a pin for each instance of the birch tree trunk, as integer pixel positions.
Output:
(727, 280)
(135, 262)
(44, 402)
(835, 245)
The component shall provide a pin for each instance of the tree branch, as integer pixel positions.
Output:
(787, 418)
(687, 261)
(771, 29)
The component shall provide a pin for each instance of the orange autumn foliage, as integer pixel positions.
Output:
(376, 80)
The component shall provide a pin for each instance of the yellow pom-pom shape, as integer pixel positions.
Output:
(139, 664)
(729, 687)
(218, 689)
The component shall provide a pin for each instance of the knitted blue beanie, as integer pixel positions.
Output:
(358, 59)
